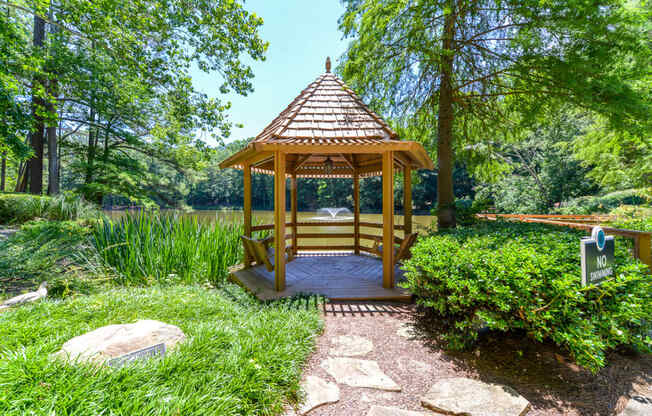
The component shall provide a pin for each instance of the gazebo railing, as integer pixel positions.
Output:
(325, 235)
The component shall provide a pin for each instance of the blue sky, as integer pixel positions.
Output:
(301, 34)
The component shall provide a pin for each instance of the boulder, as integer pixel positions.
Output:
(318, 392)
(40, 293)
(350, 345)
(114, 341)
(474, 398)
(359, 373)
(638, 406)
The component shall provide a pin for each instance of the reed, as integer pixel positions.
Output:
(151, 248)
(20, 208)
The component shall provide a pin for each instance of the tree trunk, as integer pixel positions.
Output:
(53, 156)
(21, 177)
(35, 164)
(445, 157)
(92, 141)
(3, 171)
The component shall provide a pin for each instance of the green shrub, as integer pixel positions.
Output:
(632, 217)
(466, 209)
(20, 208)
(148, 248)
(54, 251)
(586, 205)
(514, 276)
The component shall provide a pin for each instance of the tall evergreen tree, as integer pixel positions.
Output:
(455, 72)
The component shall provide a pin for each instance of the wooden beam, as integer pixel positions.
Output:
(356, 211)
(407, 200)
(388, 220)
(279, 221)
(293, 202)
(331, 148)
(247, 209)
(348, 159)
(643, 249)
(300, 161)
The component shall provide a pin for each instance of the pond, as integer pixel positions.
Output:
(421, 223)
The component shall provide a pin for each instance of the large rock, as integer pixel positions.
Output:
(640, 402)
(638, 406)
(116, 340)
(350, 345)
(318, 392)
(392, 411)
(40, 293)
(359, 373)
(474, 398)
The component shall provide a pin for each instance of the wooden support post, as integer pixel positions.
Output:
(643, 249)
(388, 220)
(293, 202)
(407, 201)
(279, 221)
(356, 212)
(247, 208)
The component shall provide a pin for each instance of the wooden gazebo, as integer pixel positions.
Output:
(327, 131)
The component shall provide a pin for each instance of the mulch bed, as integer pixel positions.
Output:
(539, 372)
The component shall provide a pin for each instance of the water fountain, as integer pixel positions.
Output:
(333, 214)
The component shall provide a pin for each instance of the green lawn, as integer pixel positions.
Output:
(240, 357)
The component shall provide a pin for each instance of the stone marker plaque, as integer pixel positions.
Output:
(597, 257)
(154, 350)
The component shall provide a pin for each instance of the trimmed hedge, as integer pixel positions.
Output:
(515, 276)
(20, 208)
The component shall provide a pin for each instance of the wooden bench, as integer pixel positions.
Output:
(402, 252)
(261, 253)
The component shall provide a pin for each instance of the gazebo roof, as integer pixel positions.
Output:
(328, 120)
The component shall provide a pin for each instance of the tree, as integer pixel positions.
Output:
(617, 159)
(470, 67)
(113, 86)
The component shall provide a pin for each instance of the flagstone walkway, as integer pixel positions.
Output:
(373, 359)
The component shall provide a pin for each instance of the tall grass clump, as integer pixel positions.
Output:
(20, 208)
(151, 248)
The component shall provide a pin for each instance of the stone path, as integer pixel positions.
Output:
(371, 361)
(363, 381)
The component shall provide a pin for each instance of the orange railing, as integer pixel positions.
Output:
(338, 235)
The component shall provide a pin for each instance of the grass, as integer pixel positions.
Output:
(240, 357)
(147, 248)
(54, 251)
(20, 208)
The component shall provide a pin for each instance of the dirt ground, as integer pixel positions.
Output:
(539, 372)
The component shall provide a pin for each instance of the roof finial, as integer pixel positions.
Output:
(328, 64)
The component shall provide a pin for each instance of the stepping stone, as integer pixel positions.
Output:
(392, 411)
(359, 373)
(318, 392)
(406, 331)
(351, 345)
(474, 398)
(638, 406)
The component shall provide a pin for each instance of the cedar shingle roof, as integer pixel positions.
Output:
(327, 111)
(328, 121)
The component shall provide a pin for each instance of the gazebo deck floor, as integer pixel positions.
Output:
(337, 276)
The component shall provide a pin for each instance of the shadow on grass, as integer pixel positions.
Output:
(542, 372)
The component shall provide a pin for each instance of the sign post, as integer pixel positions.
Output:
(597, 257)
